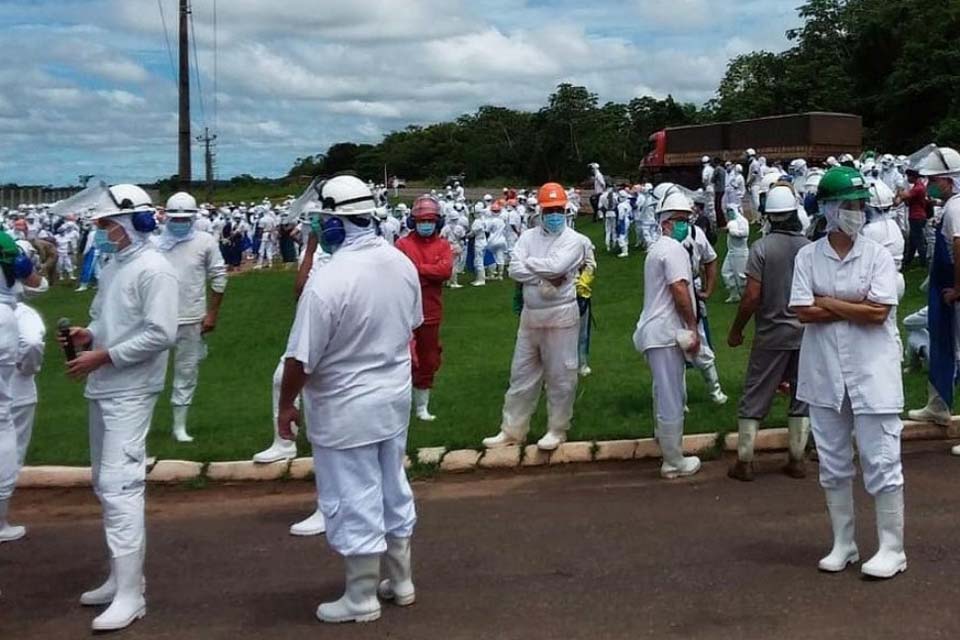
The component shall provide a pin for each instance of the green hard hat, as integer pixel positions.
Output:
(842, 183)
(8, 248)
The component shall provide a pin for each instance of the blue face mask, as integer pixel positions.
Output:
(680, 230)
(179, 228)
(104, 244)
(426, 229)
(554, 222)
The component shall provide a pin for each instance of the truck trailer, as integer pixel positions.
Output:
(814, 136)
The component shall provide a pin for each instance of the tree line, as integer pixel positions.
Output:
(895, 62)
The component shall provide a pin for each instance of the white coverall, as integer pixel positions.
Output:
(196, 261)
(351, 334)
(455, 235)
(479, 232)
(9, 340)
(848, 372)
(702, 253)
(754, 176)
(885, 231)
(734, 270)
(29, 360)
(649, 230)
(608, 204)
(497, 241)
(709, 202)
(390, 229)
(65, 255)
(269, 239)
(918, 339)
(545, 354)
(624, 219)
(134, 318)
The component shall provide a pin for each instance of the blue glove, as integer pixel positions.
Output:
(22, 266)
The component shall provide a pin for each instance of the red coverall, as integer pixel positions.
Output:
(433, 259)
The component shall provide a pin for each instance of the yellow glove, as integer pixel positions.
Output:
(584, 283)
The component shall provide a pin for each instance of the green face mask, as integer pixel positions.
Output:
(681, 228)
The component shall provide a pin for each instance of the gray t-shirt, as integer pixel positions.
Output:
(771, 263)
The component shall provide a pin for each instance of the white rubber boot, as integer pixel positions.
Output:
(314, 525)
(480, 279)
(890, 559)
(842, 521)
(128, 604)
(746, 437)
(675, 465)
(180, 423)
(454, 281)
(798, 431)
(552, 439)
(359, 601)
(421, 402)
(585, 371)
(502, 439)
(936, 410)
(712, 378)
(280, 449)
(102, 595)
(9, 532)
(398, 585)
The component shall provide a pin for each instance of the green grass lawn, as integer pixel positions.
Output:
(231, 416)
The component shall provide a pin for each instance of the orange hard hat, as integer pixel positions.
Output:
(426, 208)
(552, 195)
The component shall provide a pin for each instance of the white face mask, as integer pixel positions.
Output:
(851, 221)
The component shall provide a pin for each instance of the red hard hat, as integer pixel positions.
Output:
(426, 208)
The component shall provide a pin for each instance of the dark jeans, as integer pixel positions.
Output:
(595, 205)
(916, 243)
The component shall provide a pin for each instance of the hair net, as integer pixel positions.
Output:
(831, 211)
(125, 220)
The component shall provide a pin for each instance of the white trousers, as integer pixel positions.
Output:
(118, 453)
(460, 261)
(705, 358)
(878, 441)
(364, 495)
(499, 254)
(610, 232)
(23, 417)
(268, 248)
(667, 365)
(710, 204)
(542, 358)
(478, 254)
(755, 200)
(734, 272)
(65, 264)
(9, 461)
(187, 354)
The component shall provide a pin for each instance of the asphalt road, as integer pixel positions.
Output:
(596, 551)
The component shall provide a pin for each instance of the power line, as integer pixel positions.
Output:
(216, 71)
(196, 68)
(166, 38)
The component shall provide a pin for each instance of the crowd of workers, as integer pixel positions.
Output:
(822, 284)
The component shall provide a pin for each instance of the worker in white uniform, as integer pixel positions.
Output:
(599, 187)
(16, 272)
(882, 228)
(845, 292)
(478, 231)
(942, 171)
(497, 241)
(349, 353)
(734, 267)
(666, 333)
(123, 355)
(455, 234)
(754, 174)
(709, 190)
(703, 264)
(269, 238)
(624, 220)
(196, 258)
(608, 209)
(735, 190)
(546, 261)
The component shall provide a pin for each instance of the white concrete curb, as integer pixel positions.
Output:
(458, 461)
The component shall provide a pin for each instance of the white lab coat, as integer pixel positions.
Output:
(546, 349)
(351, 334)
(886, 232)
(133, 317)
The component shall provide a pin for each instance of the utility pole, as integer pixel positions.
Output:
(185, 170)
(207, 141)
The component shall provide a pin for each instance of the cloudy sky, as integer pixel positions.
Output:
(87, 86)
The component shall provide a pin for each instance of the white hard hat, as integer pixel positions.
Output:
(943, 161)
(126, 198)
(673, 200)
(846, 158)
(401, 208)
(881, 197)
(768, 180)
(887, 160)
(751, 152)
(346, 196)
(705, 159)
(832, 162)
(661, 189)
(813, 181)
(181, 205)
(593, 165)
(487, 197)
(799, 164)
(781, 199)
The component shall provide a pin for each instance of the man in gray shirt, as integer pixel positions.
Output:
(776, 344)
(719, 188)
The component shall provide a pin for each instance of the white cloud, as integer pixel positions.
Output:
(87, 84)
